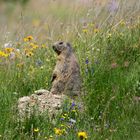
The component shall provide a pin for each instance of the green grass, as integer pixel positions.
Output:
(107, 45)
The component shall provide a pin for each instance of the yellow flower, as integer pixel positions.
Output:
(28, 38)
(96, 30)
(82, 135)
(34, 46)
(44, 46)
(36, 129)
(92, 24)
(9, 50)
(3, 54)
(58, 131)
(85, 31)
(28, 53)
(25, 39)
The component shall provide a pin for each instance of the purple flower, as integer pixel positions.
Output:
(87, 61)
(72, 105)
(62, 119)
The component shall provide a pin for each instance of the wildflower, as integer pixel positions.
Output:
(28, 54)
(114, 65)
(72, 121)
(36, 129)
(92, 24)
(44, 46)
(62, 119)
(9, 50)
(25, 39)
(96, 30)
(85, 31)
(8, 45)
(28, 38)
(82, 135)
(72, 105)
(87, 61)
(58, 131)
(3, 54)
(64, 116)
(34, 46)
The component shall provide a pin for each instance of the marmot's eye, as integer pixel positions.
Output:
(60, 43)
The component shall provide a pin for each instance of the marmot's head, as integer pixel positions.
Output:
(61, 46)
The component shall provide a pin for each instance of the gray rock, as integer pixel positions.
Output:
(39, 102)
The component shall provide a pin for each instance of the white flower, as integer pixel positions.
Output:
(72, 121)
(8, 45)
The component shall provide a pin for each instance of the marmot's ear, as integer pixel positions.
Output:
(68, 44)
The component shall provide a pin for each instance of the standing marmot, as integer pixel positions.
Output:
(66, 75)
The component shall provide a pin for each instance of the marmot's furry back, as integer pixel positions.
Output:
(66, 75)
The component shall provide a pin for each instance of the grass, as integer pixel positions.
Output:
(106, 41)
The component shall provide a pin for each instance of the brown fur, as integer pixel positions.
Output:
(66, 75)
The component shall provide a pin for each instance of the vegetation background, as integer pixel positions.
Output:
(105, 35)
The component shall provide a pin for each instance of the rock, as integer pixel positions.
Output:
(39, 102)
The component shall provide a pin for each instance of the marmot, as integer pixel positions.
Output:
(66, 75)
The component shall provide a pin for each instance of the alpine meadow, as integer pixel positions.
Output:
(105, 38)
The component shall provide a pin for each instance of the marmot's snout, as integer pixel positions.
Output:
(58, 47)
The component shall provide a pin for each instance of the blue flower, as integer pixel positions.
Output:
(87, 61)
(72, 105)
